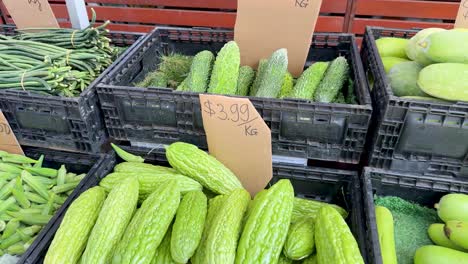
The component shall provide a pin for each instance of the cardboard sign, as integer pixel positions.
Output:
(8, 141)
(263, 26)
(239, 138)
(462, 15)
(31, 13)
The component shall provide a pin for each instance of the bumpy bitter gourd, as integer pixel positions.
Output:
(267, 226)
(188, 226)
(202, 167)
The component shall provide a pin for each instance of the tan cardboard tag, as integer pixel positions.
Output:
(8, 141)
(239, 138)
(31, 13)
(462, 16)
(263, 26)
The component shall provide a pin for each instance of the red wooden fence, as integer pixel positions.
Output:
(143, 15)
(335, 15)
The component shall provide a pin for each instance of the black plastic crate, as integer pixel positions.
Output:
(329, 185)
(299, 128)
(424, 190)
(65, 123)
(410, 135)
(91, 164)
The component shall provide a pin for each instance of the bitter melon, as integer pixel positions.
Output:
(272, 79)
(225, 70)
(221, 242)
(150, 181)
(136, 167)
(214, 206)
(300, 241)
(334, 241)
(284, 260)
(114, 217)
(163, 252)
(267, 226)
(309, 208)
(287, 86)
(309, 80)
(156, 215)
(258, 77)
(188, 226)
(202, 167)
(333, 81)
(245, 79)
(310, 260)
(197, 80)
(70, 239)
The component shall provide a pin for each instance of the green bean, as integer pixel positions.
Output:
(36, 185)
(10, 228)
(18, 193)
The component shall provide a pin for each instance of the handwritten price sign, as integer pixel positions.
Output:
(239, 138)
(8, 141)
(23, 10)
(237, 113)
(462, 16)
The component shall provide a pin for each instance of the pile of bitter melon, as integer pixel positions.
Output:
(321, 82)
(29, 196)
(197, 211)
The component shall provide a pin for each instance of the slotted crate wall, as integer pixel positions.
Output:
(142, 15)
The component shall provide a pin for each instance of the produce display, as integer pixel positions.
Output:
(30, 194)
(169, 225)
(431, 65)
(222, 74)
(55, 61)
(410, 233)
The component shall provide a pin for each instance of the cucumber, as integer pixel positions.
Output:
(437, 235)
(457, 232)
(258, 77)
(309, 80)
(389, 62)
(439, 255)
(245, 79)
(414, 51)
(453, 206)
(448, 81)
(225, 70)
(385, 229)
(446, 46)
(272, 79)
(392, 47)
(197, 80)
(403, 79)
(333, 81)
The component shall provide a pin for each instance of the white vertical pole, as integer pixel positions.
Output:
(77, 12)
